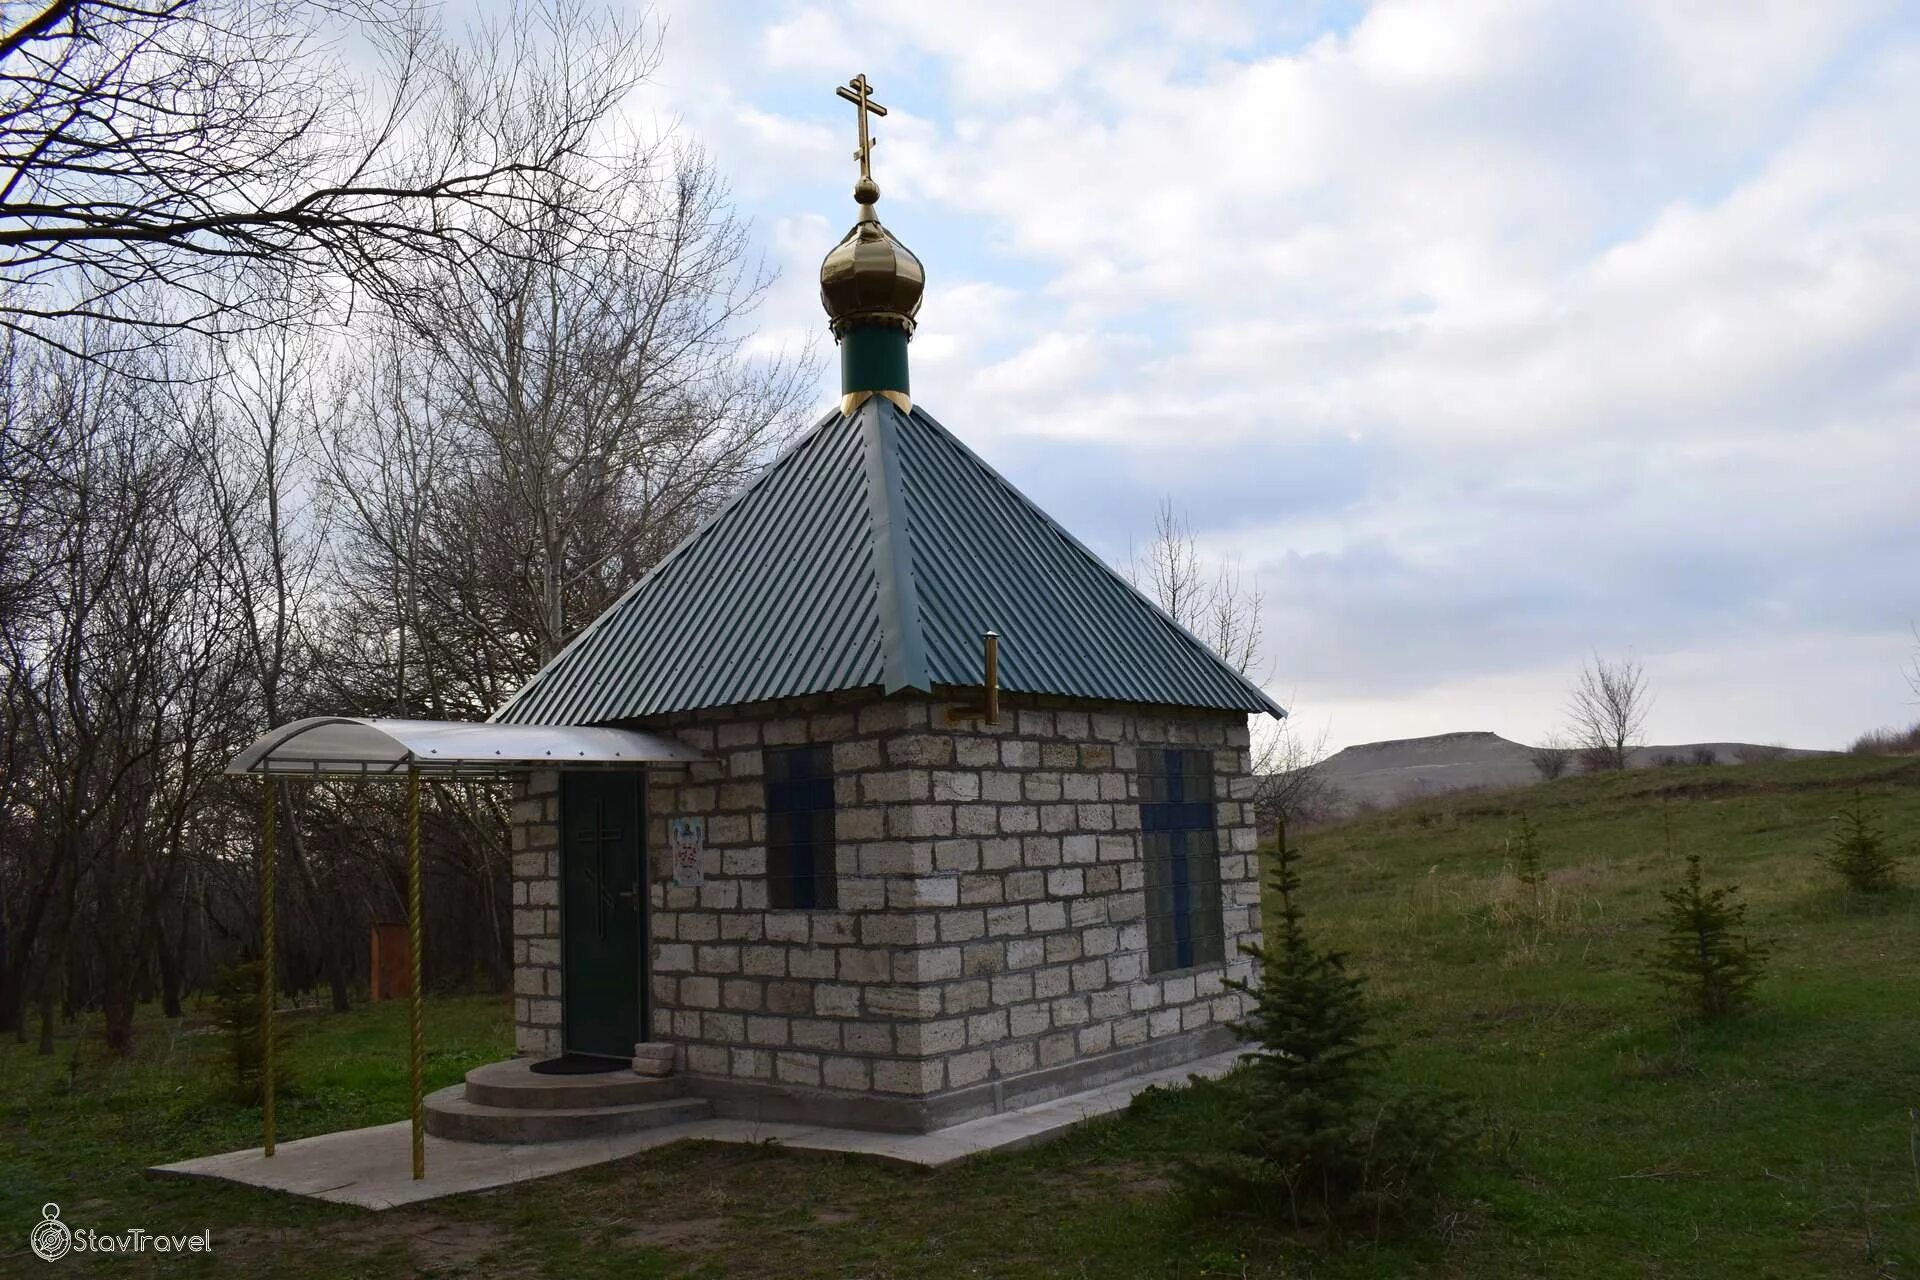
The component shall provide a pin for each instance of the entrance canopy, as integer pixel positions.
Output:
(345, 746)
(409, 750)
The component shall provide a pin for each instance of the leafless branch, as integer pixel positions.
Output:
(1608, 711)
(1217, 604)
(221, 165)
(1552, 757)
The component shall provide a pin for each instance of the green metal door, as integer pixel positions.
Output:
(601, 913)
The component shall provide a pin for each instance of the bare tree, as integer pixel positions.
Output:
(1213, 602)
(250, 421)
(122, 686)
(1222, 610)
(537, 435)
(1551, 758)
(597, 373)
(1608, 711)
(1290, 780)
(524, 441)
(212, 518)
(33, 459)
(213, 164)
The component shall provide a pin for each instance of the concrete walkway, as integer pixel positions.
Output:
(370, 1167)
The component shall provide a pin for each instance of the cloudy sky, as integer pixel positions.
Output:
(1484, 334)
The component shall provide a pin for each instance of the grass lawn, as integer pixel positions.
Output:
(1623, 1143)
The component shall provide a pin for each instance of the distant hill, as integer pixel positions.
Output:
(1390, 773)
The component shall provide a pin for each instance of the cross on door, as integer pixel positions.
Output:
(602, 835)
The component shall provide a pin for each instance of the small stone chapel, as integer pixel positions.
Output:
(970, 829)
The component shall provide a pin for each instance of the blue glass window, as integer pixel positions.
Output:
(1182, 855)
(799, 785)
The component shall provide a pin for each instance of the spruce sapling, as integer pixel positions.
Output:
(1526, 857)
(1857, 850)
(236, 1014)
(1704, 958)
(1315, 1136)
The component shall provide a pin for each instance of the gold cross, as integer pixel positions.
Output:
(856, 91)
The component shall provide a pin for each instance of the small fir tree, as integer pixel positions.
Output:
(1857, 850)
(236, 1015)
(1704, 958)
(1314, 1136)
(1526, 856)
(1525, 848)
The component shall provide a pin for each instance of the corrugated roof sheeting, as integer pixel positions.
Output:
(772, 597)
(875, 551)
(985, 557)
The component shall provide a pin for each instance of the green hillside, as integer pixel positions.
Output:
(1781, 1145)
(1625, 1144)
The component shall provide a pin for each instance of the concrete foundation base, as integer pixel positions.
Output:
(370, 1167)
(753, 1100)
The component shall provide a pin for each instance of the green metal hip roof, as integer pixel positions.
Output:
(874, 552)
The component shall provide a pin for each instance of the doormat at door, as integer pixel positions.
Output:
(574, 1064)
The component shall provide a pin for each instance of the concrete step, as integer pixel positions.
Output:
(450, 1115)
(515, 1084)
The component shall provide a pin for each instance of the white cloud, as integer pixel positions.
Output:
(1421, 44)
(1490, 330)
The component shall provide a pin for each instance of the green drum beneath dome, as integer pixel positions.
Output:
(874, 358)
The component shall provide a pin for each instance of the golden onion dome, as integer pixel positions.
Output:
(870, 278)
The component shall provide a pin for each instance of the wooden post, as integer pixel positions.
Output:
(414, 1005)
(993, 676)
(989, 709)
(267, 950)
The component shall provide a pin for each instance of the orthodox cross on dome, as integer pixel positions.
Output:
(870, 284)
(857, 91)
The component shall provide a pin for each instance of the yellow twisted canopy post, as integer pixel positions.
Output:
(413, 961)
(267, 955)
(368, 749)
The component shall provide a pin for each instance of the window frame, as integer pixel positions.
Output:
(1184, 912)
(796, 789)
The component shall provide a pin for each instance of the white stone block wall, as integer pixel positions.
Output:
(535, 850)
(991, 898)
(1049, 888)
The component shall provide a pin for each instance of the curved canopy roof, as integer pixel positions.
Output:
(334, 746)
